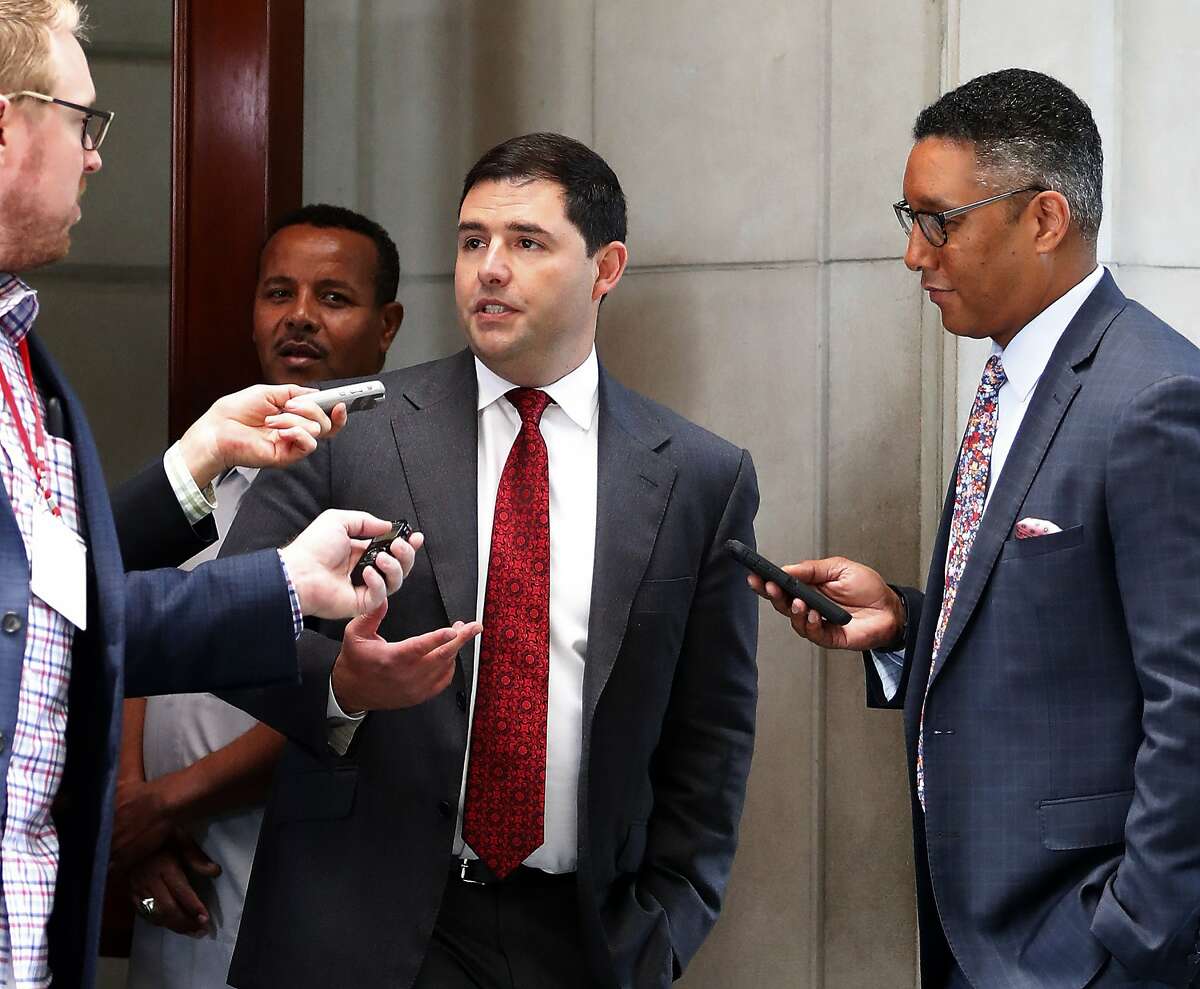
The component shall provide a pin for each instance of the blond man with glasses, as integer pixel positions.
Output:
(76, 632)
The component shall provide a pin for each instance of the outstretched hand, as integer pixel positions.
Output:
(374, 674)
(877, 614)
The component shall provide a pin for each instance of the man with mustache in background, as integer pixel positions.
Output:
(194, 769)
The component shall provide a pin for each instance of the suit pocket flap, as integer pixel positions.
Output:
(316, 795)
(1084, 822)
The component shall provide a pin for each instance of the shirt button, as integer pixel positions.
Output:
(11, 623)
(444, 808)
(461, 697)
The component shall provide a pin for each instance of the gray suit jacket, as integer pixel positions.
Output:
(1062, 726)
(354, 851)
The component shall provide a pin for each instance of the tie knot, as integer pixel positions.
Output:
(530, 403)
(993, 373)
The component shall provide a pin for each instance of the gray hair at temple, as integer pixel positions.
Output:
(1027, 129)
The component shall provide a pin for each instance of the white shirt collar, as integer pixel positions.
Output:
(1028, 353)
(576, 393)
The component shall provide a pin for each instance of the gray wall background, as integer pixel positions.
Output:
(761, 146)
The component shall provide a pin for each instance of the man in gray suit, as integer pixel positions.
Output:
(1050, 673)
(566, 814)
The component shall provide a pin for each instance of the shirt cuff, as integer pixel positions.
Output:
(340, 726)
(890, 667)
(293, 599)
(197, 505)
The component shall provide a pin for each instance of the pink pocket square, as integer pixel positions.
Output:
(1030, 528)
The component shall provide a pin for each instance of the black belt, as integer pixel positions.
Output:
(474, 872)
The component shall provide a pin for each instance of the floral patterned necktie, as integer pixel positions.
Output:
(970, 496)
(504, 813)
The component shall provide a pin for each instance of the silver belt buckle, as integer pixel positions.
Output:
(462, 873)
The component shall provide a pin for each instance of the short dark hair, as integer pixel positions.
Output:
(327, 217)
(595, 203)
(1029, 130)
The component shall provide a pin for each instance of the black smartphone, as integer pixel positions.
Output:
(379, 544)
(790, 586)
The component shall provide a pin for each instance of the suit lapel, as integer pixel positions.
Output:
(1053, 396)
(634, 482)
(436, 430)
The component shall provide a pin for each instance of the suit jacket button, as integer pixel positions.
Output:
(444, 808)
(11, 623)
(461, 698)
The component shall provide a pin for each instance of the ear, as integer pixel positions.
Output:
(392, 315)
(610, 266)
(5, 111)
(1052, 213)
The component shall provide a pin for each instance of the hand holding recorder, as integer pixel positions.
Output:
(260, 426)
(877, 614)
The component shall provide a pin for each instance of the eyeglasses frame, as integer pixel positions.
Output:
(88, 113)
(903, 210)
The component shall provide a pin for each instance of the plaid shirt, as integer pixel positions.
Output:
(29, 844)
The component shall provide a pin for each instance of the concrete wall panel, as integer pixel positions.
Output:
(710, 114)
(871, 116)
(437, 84)
(1160, 68)
(873, 515)
(737, 352)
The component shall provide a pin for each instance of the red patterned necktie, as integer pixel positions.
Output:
(504, 814)
(970, 497)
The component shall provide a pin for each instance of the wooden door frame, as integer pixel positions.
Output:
(237, 133)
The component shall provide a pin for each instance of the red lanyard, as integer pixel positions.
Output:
(35, 462)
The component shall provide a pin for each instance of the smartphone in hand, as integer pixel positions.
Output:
(793, 588)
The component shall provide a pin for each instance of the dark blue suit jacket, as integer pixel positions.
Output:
(354, 852)
(160, 632)
(1062, 727)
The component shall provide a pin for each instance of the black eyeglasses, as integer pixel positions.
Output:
(95, 122)
(933, 225)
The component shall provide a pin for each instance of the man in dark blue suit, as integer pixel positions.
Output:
(1050, 672)
(75, 631)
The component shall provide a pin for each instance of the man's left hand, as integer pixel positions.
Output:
(320, 559)
(142, 823)
(252, 428)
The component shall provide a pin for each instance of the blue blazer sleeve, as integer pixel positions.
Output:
(226, 624)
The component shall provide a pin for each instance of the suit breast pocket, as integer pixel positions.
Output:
(315, 795)
(1054, 542)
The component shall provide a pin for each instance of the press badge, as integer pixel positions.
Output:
(59, 567)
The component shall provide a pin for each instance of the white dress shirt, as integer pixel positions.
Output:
(1024, 360)
(569, 427)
